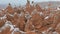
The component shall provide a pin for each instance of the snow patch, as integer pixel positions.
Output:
(46, 17)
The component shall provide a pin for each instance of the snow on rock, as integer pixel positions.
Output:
(46, 17)
(28, 16)
(55, 32)
(4, 17)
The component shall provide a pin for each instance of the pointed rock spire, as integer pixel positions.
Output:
(9, 9)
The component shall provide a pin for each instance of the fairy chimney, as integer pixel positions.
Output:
(38, 8)
(32, 6)
(9, 9)
(27, 9)
(49, 7)
(32, 3)
(28, 3)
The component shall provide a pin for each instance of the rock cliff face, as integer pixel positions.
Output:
(31, 19)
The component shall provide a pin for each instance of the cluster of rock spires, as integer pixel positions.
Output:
(31, 19)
